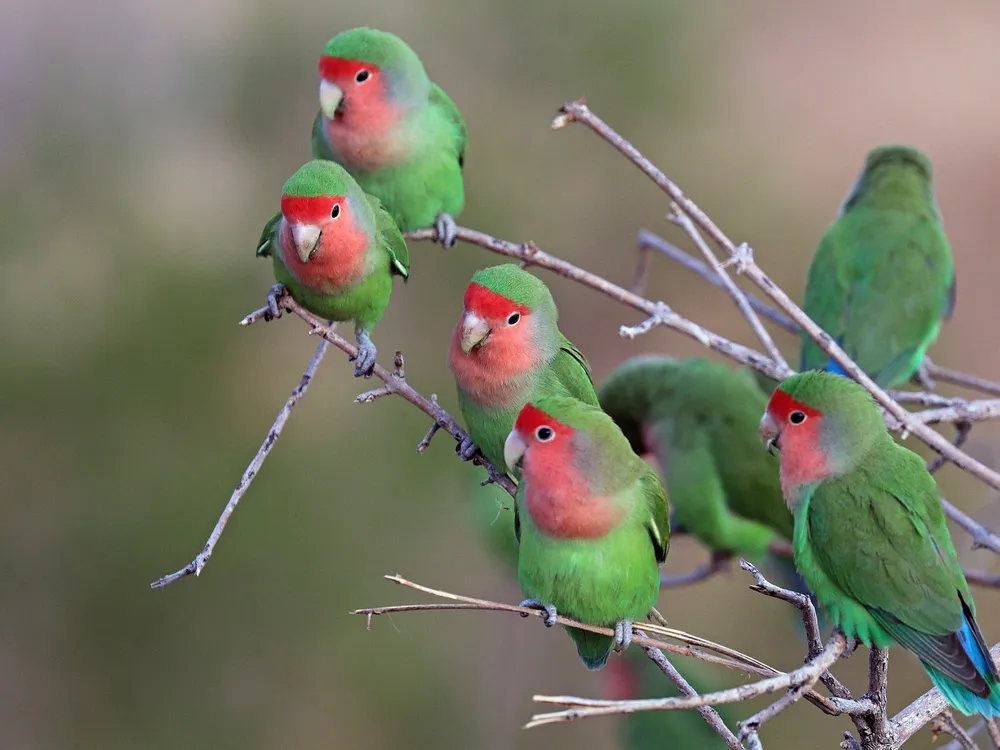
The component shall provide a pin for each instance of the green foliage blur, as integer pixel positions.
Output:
(142, 147)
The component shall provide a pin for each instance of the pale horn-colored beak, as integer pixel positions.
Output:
(305, 237)
(474, 331)
(330, 96)
(513, 449)
(769, 433)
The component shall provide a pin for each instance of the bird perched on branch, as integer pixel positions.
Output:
(882, 279)
(507, 350)
(335, 249)
(392, 128)
(870, 535)
(592, 521)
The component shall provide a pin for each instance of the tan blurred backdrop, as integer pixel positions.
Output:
(143, 145)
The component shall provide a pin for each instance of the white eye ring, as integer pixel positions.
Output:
(797, 417)
(544, 434)
(335, 211)
(513, 319)
(361, 76)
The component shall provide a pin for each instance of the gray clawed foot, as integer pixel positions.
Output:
(623, 635)
(364, 363)
(550, 611)
(275, 296)
(446, 229)
(466, 449)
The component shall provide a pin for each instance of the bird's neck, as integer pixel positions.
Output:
(562, 505)
(342, 261)
(497, 375)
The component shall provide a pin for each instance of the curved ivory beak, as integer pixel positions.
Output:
(330, 96)
(305, 237)
(513, 449)
(474, 331)
(769, 433)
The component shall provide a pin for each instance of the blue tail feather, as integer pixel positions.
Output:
(960, 697)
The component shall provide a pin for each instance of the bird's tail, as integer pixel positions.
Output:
(593, 648)
(960, 696)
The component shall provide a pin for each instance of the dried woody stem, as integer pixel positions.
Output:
(195, 566)
(394, 382)
(696, 647)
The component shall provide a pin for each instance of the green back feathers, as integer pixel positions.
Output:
(520, 287)
(391, 237)
(394, 57)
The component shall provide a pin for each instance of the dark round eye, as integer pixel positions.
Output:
(797, 417)
(512, 320)
(361, 76)
(336, 211)
(544, 434)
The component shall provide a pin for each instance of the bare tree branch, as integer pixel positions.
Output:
(717, 564)
(197, 565)
(709, 714)
(581, 708)
(728, 657)
(945, 724)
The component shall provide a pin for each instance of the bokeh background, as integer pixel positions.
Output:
(143, 145)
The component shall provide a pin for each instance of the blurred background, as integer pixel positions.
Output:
(143, 146)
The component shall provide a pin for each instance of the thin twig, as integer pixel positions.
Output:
(972, 732)
(962, 430)
(682, 220)
(717, 564)
(696, 647)
(961, 379)
(994, 733)
(197, 565)
(947, 724)
(581, 708)
(709, 714)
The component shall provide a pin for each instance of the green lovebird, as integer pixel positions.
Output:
(335, 249)
(635, 677)
(591, 519)
(506, 351)
(392, 128)
(699, 418)
(882, 279)
(870, 535)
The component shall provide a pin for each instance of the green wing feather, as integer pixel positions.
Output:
(439, 99)
(907, 575)
(573, 371)
(269, 237)
(880, 284)
(659, 512)
(392, 239)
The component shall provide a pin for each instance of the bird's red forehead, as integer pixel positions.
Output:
(531, 418)
(309, 209)
(488, 304)
(337, 69)
(782, 404)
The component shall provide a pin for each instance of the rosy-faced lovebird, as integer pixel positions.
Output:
(870, 535)
(392, 128)
(592, 522)
(507, 350)
(882, 279)
(699, 418)
(335, 249)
